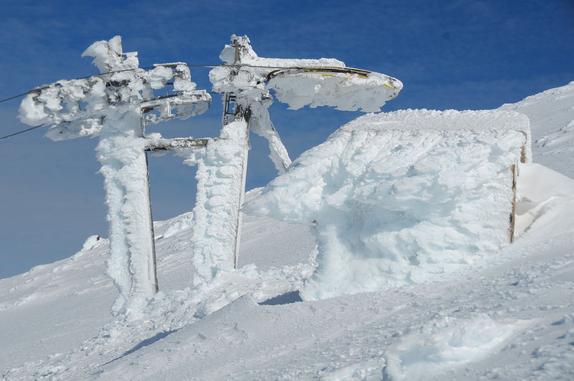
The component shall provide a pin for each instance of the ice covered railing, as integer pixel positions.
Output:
(402, 197)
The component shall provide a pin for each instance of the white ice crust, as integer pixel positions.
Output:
(219, 177)
(121, 152)
(400, 197)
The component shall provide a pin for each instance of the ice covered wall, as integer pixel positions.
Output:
(400, 197)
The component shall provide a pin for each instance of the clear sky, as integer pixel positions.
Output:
(459, 54)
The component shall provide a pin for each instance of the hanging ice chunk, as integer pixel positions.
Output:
(345, 89)
(261, 124)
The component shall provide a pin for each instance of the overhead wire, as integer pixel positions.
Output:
(21, 131)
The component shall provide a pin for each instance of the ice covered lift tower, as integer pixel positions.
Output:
(115, 106)
(247, 83)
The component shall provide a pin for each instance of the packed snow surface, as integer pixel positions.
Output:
(382, 190)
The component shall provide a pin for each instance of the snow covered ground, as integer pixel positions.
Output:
(509, 316)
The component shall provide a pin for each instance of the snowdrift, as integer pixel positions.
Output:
(401, 197)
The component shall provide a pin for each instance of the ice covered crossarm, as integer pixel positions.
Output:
(76, 108)
(302, 82)
(244, 75)
(220, 181)
(400, 197)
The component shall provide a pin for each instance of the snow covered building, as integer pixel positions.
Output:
(398, 197)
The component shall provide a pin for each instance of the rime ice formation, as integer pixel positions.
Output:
(220, 174)
(345, 92)
(261, 124)
(297, 82)
(398, 197)
(121, 152)
(291, 84)
(245, 79)
(77, 108)
(115, 106)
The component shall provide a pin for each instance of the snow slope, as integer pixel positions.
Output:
(551, 115)
(510, 317)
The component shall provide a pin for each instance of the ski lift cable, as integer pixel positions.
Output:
(21, 131)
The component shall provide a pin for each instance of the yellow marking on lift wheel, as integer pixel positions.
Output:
(326, 75)
(389, 85)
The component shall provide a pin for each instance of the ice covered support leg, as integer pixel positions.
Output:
(220, 188)
(261, 124)
(121, 152)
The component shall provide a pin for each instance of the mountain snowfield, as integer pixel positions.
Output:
(509, 316)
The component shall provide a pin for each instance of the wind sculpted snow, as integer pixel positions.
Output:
(402, 197)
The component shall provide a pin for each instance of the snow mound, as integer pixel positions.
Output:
(551, 115)
(401, 197)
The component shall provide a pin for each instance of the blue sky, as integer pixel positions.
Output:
(458, 54)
